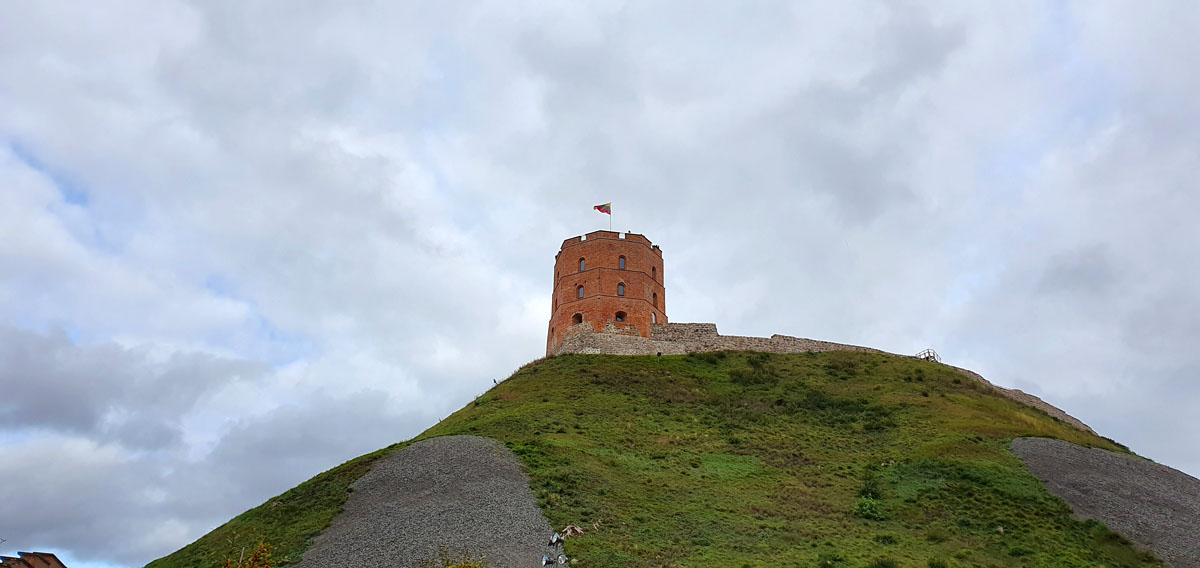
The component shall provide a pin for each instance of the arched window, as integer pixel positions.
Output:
(621, 263)
(656, 299)
(654, 273)
(620, 316)
(621, 289)
(556, 303)
(582, 265)
(653, 317)
(577, 319)
(579, 292)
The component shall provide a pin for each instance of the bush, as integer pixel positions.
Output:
(937, 563)
(868, 508)
(882, 563)
(870, 487)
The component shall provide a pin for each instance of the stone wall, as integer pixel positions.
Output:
(683, 338)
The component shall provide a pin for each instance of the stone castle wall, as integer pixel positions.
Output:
(684, 338)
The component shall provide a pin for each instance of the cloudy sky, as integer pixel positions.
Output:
(242, 242)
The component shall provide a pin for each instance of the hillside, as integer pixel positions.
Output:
(748, 459)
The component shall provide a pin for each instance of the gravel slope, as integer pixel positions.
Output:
(1150, 504)
(463, 492)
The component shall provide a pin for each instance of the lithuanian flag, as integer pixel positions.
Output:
(605, 208)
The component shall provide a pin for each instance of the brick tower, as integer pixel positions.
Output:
(605, 280)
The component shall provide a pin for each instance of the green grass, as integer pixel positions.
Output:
(740, 459)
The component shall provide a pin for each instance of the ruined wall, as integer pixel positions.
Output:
(683, 338)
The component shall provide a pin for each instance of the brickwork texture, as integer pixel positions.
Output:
(606, 280)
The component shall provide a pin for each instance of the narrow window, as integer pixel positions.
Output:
(556, 304)
(579, 292)
(654, 273)
(653, 317)
(620, 316)
(621, 262)
(656, 299)
(621, 289)
(577, 319)
(582, 265)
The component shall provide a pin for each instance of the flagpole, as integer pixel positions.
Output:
(610, 218)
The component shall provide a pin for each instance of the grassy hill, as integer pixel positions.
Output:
(749, 459)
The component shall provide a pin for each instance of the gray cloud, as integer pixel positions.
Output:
(74, 478)
(1087, 271)
(105, 390)
(279, 237)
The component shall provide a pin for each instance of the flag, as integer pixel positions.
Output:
(606, 208)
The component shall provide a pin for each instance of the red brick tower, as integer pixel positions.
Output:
(603, 279)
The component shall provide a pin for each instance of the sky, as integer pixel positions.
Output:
(243, 242)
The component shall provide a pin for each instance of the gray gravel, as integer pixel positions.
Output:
(466, 493)
(1150, 504)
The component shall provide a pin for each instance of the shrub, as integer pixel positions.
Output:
(868, 508)
(937, 563)
(885, 539)
(870, 487)
(882, 563)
